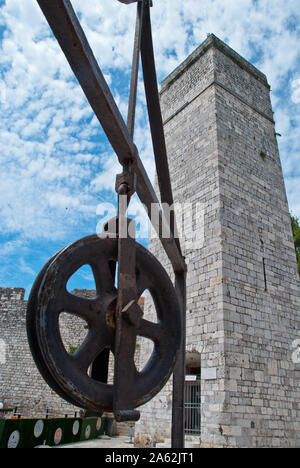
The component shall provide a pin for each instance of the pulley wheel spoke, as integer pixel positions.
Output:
(90, 349)
(142, 283)
(104, 274)
(31, 319)
(79, 306)
(150, 330)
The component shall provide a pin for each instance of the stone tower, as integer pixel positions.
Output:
(243, 290)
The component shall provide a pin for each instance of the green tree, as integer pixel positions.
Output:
(296, 234)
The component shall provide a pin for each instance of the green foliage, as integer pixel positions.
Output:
(296, 234)
(72, 349)
(263, 155)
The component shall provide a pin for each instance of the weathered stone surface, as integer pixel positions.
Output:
(21, 385)
(243, 297)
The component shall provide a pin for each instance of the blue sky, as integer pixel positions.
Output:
(55, 163)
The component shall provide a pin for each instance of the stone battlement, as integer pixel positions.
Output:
(11, 294)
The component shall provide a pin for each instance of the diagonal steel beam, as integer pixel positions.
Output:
(155, 116)
(74, 44)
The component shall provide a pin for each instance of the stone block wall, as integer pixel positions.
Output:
(21, 385)
(261, 303)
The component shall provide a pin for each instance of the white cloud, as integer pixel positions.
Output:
(296, 91)
(55, 164)
(25, 268)
(9, 247)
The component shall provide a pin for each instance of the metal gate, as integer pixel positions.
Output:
(192, 407)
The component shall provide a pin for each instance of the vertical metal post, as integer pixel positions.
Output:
(156, 120)
(135, 69)
(179, 370)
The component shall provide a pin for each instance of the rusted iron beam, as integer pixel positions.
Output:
(126, 327)
(73, 42)
(128, 313)
(127, 2)
(135, 69)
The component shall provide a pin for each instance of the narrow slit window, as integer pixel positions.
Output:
(265, 274)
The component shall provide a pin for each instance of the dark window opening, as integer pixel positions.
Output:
(192, 405)
(265, 274)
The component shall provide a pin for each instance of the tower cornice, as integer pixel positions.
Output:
(213, 41)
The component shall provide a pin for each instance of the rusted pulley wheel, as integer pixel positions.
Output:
(70, 372)
(33, 339)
